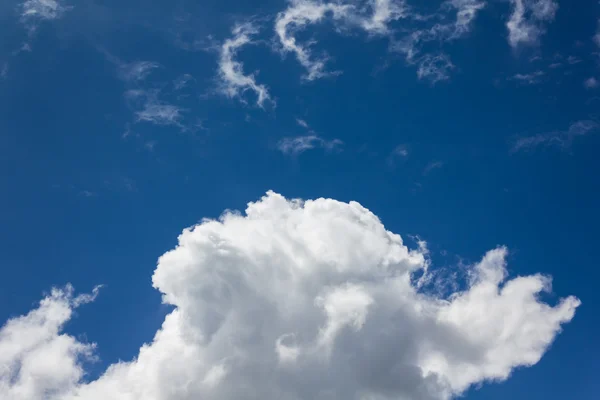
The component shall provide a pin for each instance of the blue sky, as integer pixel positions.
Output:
(464, 124)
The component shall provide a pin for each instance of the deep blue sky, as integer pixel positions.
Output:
(86, 203)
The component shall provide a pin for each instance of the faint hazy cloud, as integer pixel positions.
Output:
(400, 152)
(182, 81)
(529, 79)
(561, 139)
(591, 83)
(151, 109)
(434, 68)
(432, 166)
(302, 123)
(300, 144)
(36, 10)
(232, 80)
(136, 71)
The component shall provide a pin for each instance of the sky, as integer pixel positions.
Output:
(305, 199)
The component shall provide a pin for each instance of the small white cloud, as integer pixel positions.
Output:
(152, 109)
(596, 37)
(434, 68)
(591, 83)
(432, 166)
(35, 11)
(526, 23)
(182, 81)
(529, 79)
(43, 9)
(298, 300)
(399, 152)
(302, 123)
(560, 139)
(233, 82)
(300, 144)
(136, 71)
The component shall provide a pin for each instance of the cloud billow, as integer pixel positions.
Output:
(298, 300)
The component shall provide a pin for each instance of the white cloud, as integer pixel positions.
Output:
(561, 139)
(434, 68)
(233, 81)
(302, 123)
(529, 79)
(151, 109)
(300, 144)
(38, 360)
(43, 9)
(431, 166)
(136, 71)
(372, 16)
(591, 83)
(596, 37)
(298, 15)
(382, 13)
(298, 300)
(182, 81)
(526, 23)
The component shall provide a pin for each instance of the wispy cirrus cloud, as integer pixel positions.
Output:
(150, 108)
(400, 152)
(233, 82)
(372, 17)
(43, 9)
(561, 139)
(297, 16)
(299, 144)
(527, 21)
(432, 166)
(530, 78)
(33, 12)
(436, 67)
(136, 71)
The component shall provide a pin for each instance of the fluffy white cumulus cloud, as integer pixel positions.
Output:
(298, 300)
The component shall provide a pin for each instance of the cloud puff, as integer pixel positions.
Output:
(298, 300)
(136, 71)
(561, 139)
(151, 109)
(233, 81)
(591, 83)
(300, 144)
(37, 360)
(526, 23)
(43, 9)
(529, 79)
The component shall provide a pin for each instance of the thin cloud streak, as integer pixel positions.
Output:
(560, 139)
(232, 80)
